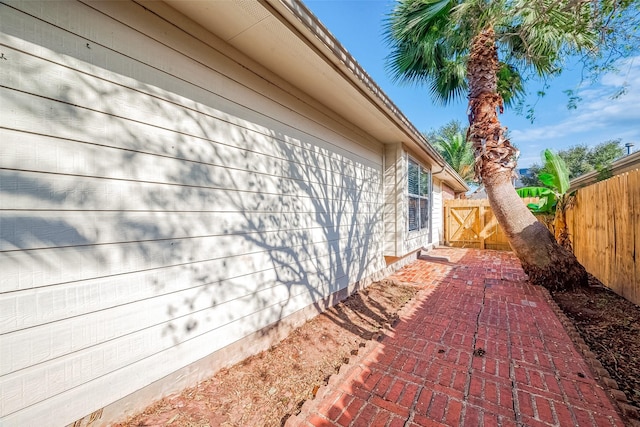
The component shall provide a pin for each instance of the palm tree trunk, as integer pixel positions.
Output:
(545, 262)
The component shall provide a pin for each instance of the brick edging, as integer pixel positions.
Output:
(629, 412)
(311, 405)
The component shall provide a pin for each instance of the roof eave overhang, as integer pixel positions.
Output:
(349, 68)
(327, 72)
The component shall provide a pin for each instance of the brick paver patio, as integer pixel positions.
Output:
(479, 346)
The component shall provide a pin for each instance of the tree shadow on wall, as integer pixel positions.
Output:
(173, 220)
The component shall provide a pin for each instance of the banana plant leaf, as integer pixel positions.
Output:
(546, 198)
(557, 177)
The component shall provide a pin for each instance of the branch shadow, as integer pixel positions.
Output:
(164, 214)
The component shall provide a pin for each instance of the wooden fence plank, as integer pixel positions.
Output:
(634, 216)
(623, 243)
(481, 214)
(604, 224)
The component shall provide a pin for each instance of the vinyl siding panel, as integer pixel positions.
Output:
(158, 202)
(437, 212)
(393, 198)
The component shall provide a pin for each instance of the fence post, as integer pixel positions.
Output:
(445, 218)
(481, 222)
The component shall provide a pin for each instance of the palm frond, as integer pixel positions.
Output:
(430, 40)
(450, 84)
(458, 153)
(510, 84)
(538, 33)
(424, 49)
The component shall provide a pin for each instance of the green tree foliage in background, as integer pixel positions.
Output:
(580, 159)
(447, 131)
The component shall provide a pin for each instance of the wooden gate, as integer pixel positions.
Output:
(471, 224)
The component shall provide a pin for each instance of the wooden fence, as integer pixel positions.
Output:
(471, 224)
(605, 231)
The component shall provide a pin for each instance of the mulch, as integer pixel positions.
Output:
(610, 325)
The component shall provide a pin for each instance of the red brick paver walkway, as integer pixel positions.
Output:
(478, 347)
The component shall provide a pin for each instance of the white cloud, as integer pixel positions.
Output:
(599, 116)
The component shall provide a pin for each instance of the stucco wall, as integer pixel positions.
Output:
(160, 200)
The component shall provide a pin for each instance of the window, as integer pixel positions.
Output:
(418, 188)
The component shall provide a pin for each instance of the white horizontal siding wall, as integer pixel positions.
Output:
(393, 200)
(437, 212)
(158, 202)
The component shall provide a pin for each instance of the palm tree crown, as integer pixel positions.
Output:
(431, 40)
(457, 152)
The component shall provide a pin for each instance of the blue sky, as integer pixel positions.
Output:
(358, 25)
